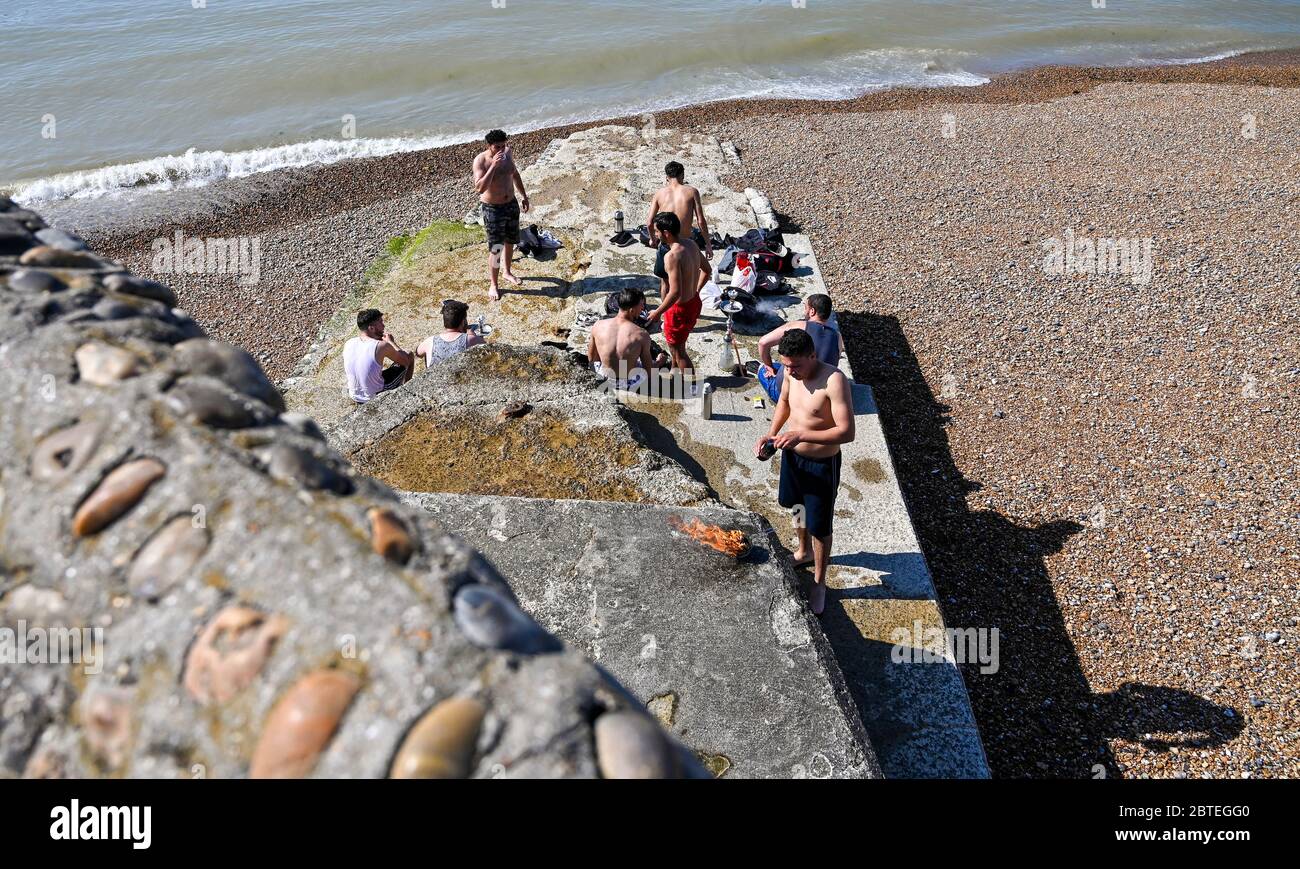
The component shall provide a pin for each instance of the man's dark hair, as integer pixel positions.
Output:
(366, 317)
(630, 298)
(495, 137)
(666, 221)
(820, 304)
(454, 314)
(795, 343)
(675, 170)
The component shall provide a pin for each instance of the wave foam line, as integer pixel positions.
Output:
(196, 168)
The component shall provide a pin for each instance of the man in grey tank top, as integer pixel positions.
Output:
(455, 338)
(819, 323)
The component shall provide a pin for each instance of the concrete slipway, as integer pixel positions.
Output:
(739, 670)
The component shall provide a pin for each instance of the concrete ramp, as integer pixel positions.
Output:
(720, 648)
(580, 181)
(441, 434)
(917, 714)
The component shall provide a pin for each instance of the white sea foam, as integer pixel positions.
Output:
(1181, 61)
(196, 168)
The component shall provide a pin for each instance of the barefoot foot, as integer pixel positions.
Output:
(514, 281)
(494, 294)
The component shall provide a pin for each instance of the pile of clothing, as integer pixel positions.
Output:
(757, 263)
(764, 251)
(539, 244)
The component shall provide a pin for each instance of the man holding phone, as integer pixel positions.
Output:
(817, 401)
(495, 180)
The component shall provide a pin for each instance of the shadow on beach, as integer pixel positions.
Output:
(1037, 715)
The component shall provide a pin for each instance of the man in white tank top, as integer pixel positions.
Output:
(364, 355)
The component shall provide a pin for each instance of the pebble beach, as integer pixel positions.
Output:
(1101, 465)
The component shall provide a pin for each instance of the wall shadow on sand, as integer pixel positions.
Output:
(1037, 715)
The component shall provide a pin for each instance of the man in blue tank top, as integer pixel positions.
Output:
(819, 325)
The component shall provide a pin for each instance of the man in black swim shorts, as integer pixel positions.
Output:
(495, 180)
(817, 401)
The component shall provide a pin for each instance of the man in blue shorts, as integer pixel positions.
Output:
(817, 402)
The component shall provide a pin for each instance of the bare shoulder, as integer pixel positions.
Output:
(837, 382)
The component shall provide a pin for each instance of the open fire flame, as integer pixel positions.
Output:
(731, 543)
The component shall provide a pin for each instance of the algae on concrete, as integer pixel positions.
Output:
(541, 455)
(443, 432)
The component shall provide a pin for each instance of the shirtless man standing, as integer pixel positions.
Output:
(495, 180)
(619, 349)
(683, 200)
(817, 401)
(687, 270)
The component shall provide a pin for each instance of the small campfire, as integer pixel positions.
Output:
(731, 543)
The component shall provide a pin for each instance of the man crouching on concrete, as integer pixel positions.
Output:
(817, 401)
(619, 349)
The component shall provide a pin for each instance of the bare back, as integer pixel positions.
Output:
(810, 407)
(620, 341)
(688, 269)
(680, 199)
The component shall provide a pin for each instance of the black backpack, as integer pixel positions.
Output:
(769, 284)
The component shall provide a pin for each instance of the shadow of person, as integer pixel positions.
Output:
(1037, 713)
(552, 288)
(1162, 718)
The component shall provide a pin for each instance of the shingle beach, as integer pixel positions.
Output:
(1100, 462)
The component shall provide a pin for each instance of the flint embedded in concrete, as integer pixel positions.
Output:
(108, 487)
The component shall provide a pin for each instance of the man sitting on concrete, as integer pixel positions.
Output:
(818, 322)
(619, 349)
(456, 337)
(364, 356)
(817, 401)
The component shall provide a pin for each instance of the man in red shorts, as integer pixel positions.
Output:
(688, 271)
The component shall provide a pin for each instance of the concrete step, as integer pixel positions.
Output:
(722, 648)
